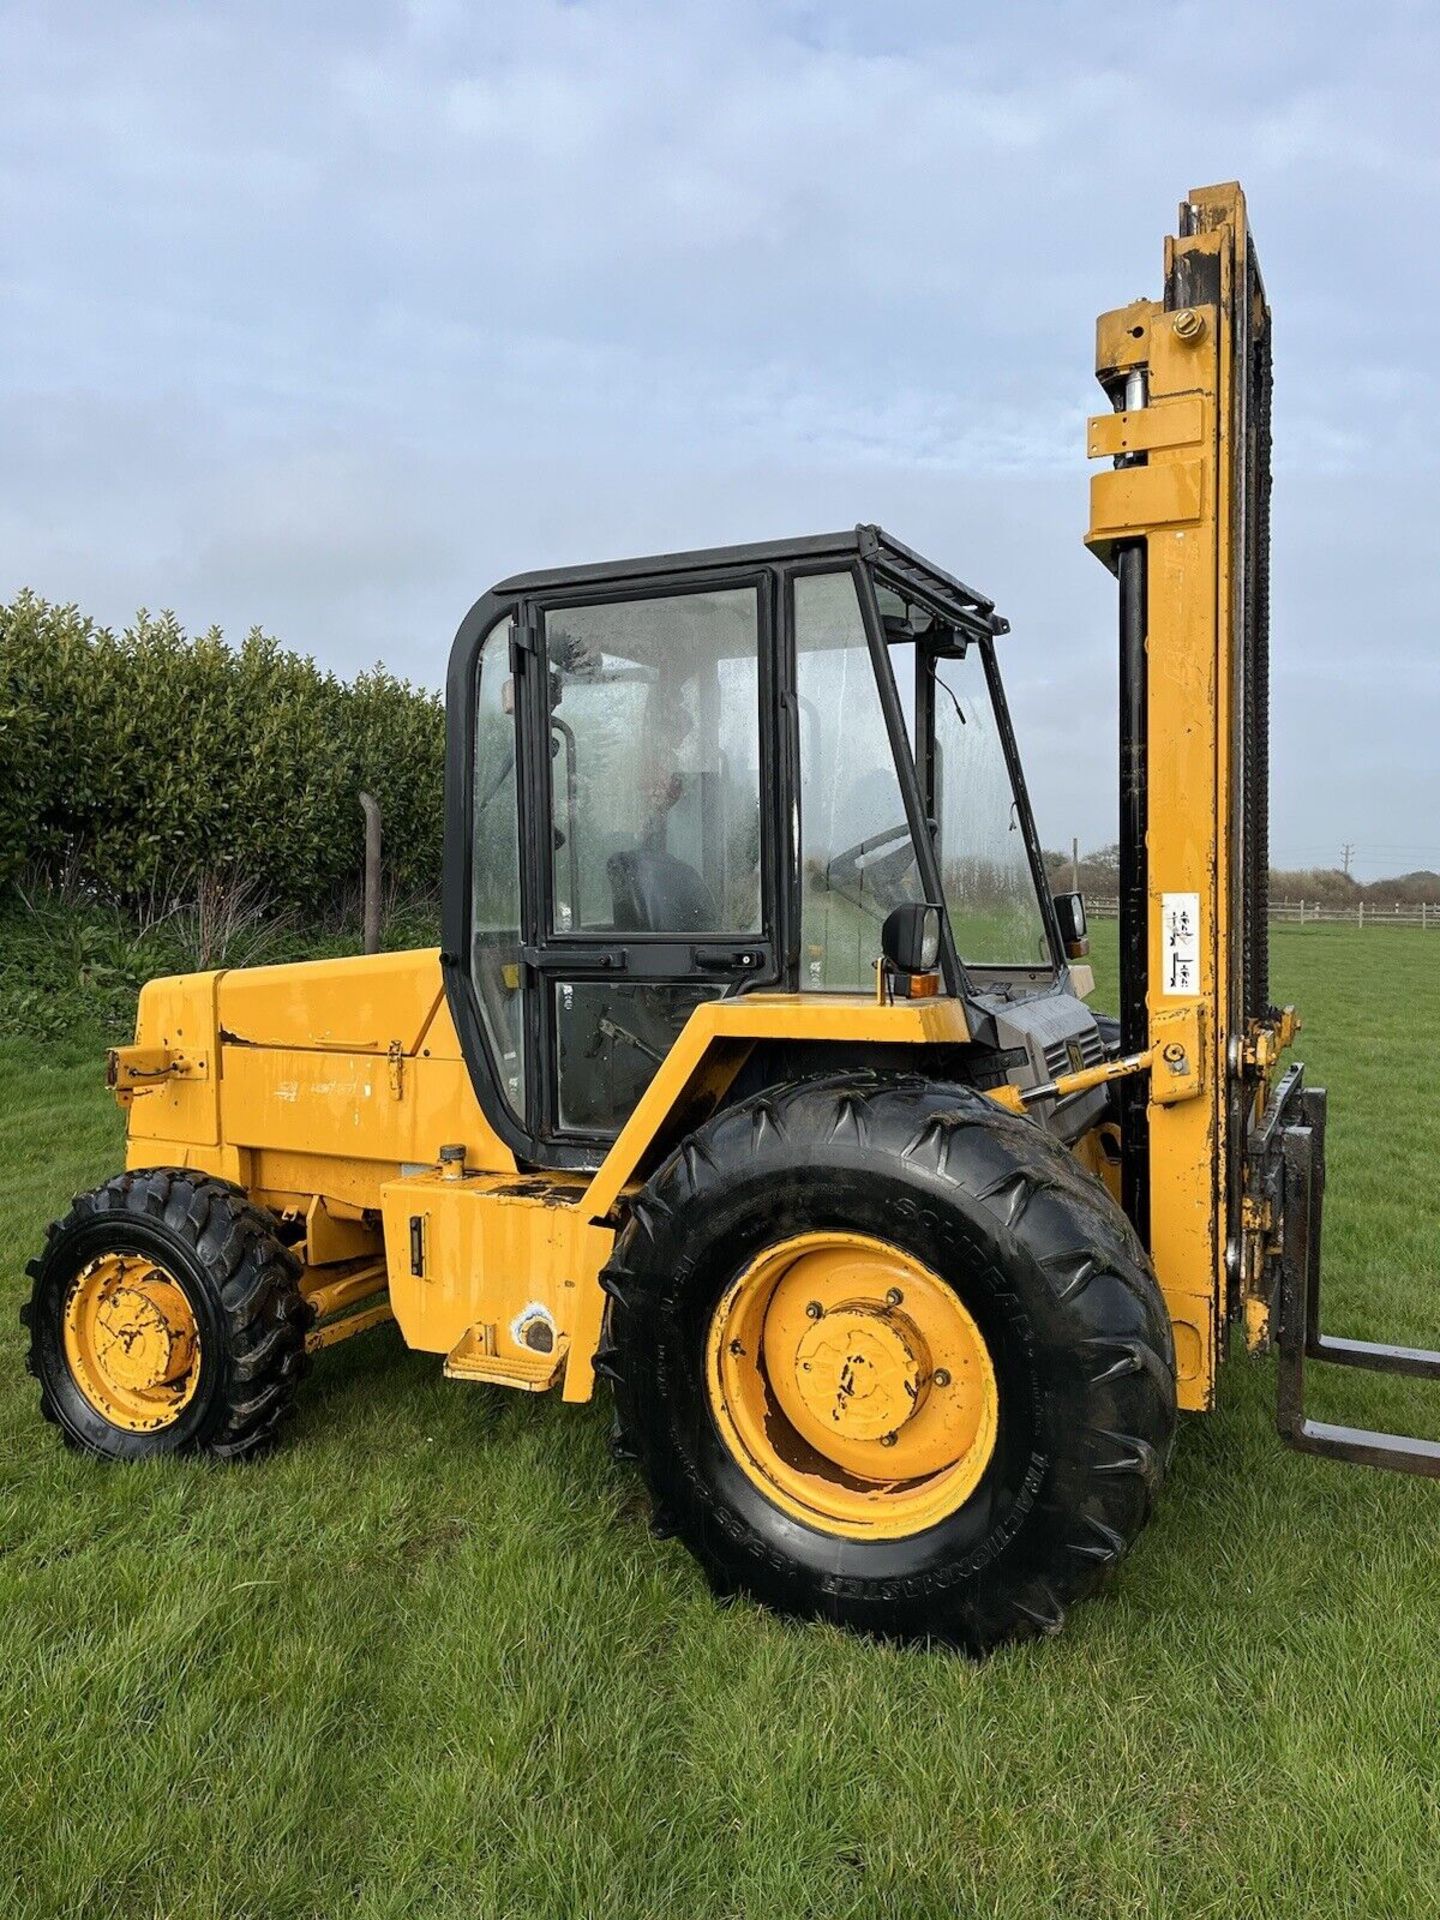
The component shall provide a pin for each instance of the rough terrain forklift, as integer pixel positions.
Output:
(755, 1074)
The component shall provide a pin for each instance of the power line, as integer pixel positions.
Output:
(1363, 850)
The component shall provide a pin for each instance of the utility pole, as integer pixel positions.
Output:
(1074, 866)
(1347, 854)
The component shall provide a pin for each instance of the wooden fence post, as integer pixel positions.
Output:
(371, 809)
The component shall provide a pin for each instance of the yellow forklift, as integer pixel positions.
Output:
(755, 1075)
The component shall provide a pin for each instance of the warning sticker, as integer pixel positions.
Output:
(1180, 920)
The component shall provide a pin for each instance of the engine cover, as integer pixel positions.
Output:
(1059, 1035)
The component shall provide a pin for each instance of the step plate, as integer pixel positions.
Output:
(474, 1358)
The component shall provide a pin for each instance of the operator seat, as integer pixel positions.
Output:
(654, 892)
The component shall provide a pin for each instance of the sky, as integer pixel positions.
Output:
(322, 318)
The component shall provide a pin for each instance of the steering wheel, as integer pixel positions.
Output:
(867, 865)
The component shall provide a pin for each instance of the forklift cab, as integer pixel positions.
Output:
(690, 776)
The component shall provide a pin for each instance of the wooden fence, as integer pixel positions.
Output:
(1310, 913)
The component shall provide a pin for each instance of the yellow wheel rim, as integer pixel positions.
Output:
(131, 1341)
(852, 1386)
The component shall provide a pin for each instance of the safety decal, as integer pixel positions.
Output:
(1180, 923)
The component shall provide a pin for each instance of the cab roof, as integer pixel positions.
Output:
(901, 566)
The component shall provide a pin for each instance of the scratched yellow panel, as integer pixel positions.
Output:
(1132, 500)
(488, 1250)
(346, 1105)
(1168, 423)
(179, 1013)
(359, 1005)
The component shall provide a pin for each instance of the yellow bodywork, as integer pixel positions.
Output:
(327, 1090)
(1179, 502)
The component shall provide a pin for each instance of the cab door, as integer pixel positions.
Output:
(650, 851)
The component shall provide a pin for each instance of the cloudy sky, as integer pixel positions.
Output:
(323, 317)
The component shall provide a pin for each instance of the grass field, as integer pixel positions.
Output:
(428, 1660)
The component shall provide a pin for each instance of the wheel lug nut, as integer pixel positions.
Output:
(894, 1297)
(941, 1377)
(814, 1311)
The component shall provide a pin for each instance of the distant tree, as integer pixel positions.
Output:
(1099, 874)
(1326, 886)
(1406, 890)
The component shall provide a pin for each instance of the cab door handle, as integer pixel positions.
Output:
(728, 959)
(578, 959)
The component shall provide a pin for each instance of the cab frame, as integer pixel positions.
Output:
(880, 566)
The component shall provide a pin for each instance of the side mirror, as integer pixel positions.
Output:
(910, 940)
(1074, 933)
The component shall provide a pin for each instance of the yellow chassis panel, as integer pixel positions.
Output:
(327, 1090)
(483, 1253)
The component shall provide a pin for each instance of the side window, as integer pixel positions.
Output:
(984, 861)
(495, 865)
(857, 858)
(655, 764)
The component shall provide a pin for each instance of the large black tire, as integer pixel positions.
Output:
(1042, 1259)
(242, 1285)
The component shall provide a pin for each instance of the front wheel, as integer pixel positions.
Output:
(888, 1357)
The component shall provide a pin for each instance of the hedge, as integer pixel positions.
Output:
(131, 765)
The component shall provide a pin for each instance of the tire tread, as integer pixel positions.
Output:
(1098, 1275)
(254, 1279)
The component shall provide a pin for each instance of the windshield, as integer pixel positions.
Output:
(984, 858)
(857, 856)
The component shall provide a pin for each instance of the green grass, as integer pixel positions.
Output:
(428, 1660)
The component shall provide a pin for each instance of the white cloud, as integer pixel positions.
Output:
(321, 317)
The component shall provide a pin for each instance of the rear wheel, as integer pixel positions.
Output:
(166, 1317)
(887, 1356)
